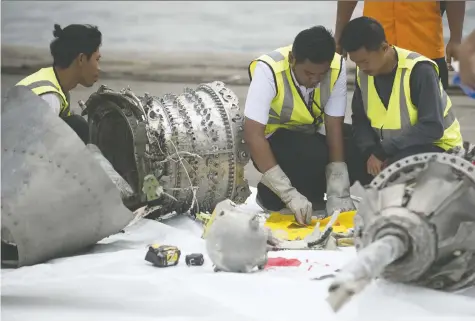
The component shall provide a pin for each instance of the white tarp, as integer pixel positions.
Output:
(114, 282)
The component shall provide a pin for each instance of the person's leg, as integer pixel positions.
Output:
(443, 71)
(413, 151)
(303, 158)
(354, 159)
(79, 125)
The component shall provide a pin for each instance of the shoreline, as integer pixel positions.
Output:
(160, 67)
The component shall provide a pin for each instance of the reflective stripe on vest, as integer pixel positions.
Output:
(41, 83)
(283, 113)
(325, 90)
(407, 112)
(44, 86)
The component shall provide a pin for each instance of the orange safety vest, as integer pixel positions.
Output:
(412, 25)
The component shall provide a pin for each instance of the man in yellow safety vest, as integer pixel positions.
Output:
(294, 127)
(76, 55)
(413, 25)
(399, 106)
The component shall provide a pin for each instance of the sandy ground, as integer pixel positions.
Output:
(165, 67)
(464, 107)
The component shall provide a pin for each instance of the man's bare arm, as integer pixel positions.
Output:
(335, 110)
(455, 18)
(261, 153)
(334, 134)
(344, 12)
(466, 56)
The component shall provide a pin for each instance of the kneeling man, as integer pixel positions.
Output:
(297, 93)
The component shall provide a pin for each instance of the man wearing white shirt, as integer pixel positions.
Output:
(76, 55)
(297, 93)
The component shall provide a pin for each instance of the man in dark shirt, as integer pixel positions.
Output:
(399, 106)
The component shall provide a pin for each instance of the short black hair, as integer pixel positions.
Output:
(315, 44)
(72, 41)
(362, 32)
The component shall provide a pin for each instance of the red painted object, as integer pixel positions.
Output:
(281, 261)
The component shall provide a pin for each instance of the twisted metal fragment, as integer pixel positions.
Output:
(416, 224)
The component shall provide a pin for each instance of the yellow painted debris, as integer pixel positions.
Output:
(285, 226)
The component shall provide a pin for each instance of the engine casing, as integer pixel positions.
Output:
(428, 201)
(191, 143)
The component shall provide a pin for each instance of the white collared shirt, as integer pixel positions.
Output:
(53, 100)
(262, 91)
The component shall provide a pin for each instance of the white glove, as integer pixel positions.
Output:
(280, 184)
(338, 188)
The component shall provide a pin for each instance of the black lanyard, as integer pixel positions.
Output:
(310, 102)
(317, 121)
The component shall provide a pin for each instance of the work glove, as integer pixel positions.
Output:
(280, 184)
(338, 188)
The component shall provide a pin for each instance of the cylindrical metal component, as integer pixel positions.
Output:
(370, 263)
(425, 201)
(372, 260)
(191, 143)
(437, 194)
(417, 235)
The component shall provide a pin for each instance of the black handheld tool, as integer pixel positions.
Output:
(195, 259)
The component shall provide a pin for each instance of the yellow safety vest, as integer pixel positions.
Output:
(44, 81)
(401, 112)
(288, 108)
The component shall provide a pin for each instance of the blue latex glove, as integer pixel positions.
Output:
(467, 90)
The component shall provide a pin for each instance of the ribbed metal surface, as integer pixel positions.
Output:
(192, 143)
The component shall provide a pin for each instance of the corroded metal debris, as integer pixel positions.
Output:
(187, 147)
(57, 199)
(236, 241)
(415, 224)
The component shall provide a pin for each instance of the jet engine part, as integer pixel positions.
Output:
(56, 198)
(466, 151)
(415, 224)
(191, 144)
(119, 181)
(236, 241)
